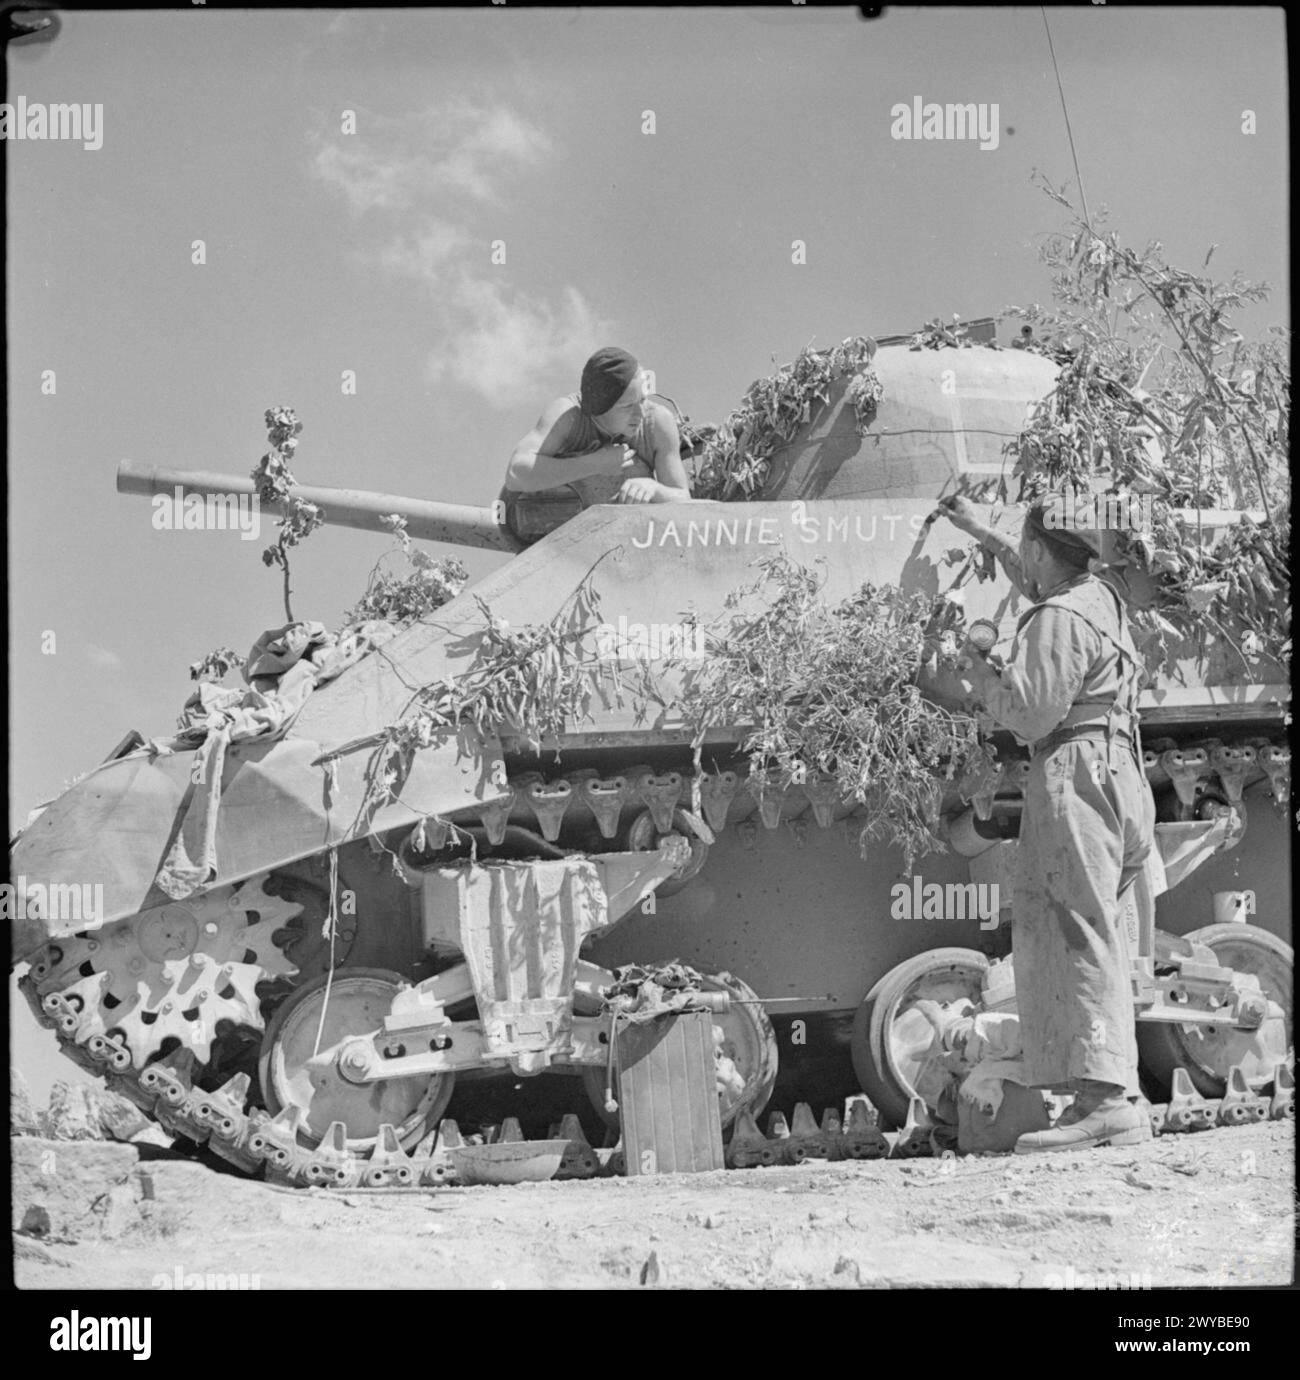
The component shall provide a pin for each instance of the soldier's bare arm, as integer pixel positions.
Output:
(670, 483)
(537, 463)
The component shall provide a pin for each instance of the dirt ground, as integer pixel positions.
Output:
(1214, 1208)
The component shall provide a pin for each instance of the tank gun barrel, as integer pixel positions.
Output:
(457, 523)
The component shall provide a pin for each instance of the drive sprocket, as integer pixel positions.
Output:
(167, 976)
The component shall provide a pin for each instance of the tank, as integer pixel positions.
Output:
(348, 973)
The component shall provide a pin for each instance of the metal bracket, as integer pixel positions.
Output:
(716, 794)
(1186, 770)
(824, 795)
(1275, 762)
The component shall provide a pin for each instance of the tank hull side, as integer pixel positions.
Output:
(817, 922)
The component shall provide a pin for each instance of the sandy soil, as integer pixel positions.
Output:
(1214, 1208)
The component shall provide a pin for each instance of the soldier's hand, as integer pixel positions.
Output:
(640, 490)
(633, 467)
(961, 512)
(615, 459)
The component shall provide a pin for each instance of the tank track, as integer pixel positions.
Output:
(252, 1140)
(196, 987)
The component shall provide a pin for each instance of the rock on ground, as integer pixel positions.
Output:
(119, 1118)
(64, 1190)
(81, 1112)
(72, 1114)
(24, 1118)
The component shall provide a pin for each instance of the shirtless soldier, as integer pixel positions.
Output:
(583, 439)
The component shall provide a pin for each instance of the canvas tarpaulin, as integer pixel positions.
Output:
(238, 791)
(117, 825)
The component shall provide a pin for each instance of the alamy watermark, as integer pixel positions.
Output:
(1073, 1279)
(929, 120)
(79, 901)
(918, 900)
(208, 513)
(75, 1333)
(24, 119)
(178, 1279)
(624, 641)
(1075, 512)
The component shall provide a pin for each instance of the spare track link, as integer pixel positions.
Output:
(583, 797)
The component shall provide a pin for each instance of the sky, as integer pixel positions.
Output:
(366, 244)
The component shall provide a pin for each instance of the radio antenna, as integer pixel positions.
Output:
(1083, 196)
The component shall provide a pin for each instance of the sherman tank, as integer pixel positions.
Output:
(328, 975)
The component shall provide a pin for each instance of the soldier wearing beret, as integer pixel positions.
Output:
(612, 440)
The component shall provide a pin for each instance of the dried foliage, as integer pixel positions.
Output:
(274, 479)
(1160, 394)
(534, 683)
(822, 691)
(731, 461)
(831, 691)
(403, 599)
(216, 665)
(934, 335)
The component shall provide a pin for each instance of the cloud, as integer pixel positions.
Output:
(369, 181)
(504, 343)
(458, 146)
(424, 255)
(437, 170)
(102, 658)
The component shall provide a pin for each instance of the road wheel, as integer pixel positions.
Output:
(1208, 1055)
(891, 1037)
(356, 1003)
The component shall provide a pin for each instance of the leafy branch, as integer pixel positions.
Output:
(535, 683)
(401, 599)
(831, 691)
(731, 461)
(1160, 394)
(274, 480)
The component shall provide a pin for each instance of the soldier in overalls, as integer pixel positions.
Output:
(1070, 690)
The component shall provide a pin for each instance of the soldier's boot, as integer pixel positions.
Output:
(1099, 1115)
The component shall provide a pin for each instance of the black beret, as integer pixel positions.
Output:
(605, 377)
